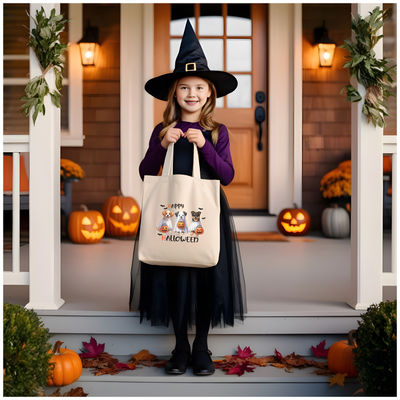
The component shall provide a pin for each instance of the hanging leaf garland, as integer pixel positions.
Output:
(373, 74)
(45, 43)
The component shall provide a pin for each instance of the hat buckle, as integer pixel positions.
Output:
(190, 67)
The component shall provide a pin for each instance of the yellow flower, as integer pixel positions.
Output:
(71, 169)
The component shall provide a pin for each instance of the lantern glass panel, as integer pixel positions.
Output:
(88, 53)
(326, 52)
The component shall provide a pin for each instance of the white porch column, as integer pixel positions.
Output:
(44, 196)
(284, 106)
(366, 197)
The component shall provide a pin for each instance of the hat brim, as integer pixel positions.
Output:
(224, 82)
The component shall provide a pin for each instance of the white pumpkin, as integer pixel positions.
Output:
(335, 222)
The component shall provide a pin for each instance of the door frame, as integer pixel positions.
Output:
(284, 101)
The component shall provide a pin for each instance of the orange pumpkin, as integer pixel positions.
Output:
(180, 224)
(164, 229)
(86, 227)
(341, 356)
(67, 367)
(293, 222)
(199, 230)
(121, 216)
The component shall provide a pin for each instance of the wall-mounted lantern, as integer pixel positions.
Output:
(89, 45)
(326, 46)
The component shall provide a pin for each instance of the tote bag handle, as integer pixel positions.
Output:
(168, 162)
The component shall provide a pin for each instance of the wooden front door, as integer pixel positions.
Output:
(234, 39)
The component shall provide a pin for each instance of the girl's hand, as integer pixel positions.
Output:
(195, 136)
(172, 136)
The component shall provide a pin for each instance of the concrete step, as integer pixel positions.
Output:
(264, 381)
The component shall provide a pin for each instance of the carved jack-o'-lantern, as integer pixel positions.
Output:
(121, 216)
(86, 226)
(293, 222)
(164, 229)
(180, 224)
(199, 230)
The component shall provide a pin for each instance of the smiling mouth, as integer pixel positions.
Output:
(191, 102)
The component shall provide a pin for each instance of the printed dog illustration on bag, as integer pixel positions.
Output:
(180, 223)
(196, 227)
(165, 224)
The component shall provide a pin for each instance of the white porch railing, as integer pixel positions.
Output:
(389, 147)
(16, 145)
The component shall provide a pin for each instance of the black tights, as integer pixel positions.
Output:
(203, 316)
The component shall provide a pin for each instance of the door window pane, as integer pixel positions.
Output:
(179, 14)
(238, 54)
(238, 21)
(211, 22)
(241, 97)
(214, 52)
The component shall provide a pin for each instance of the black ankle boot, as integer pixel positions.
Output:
(178, 362)
(202, 362)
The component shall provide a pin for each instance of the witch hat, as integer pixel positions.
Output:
(191, 61)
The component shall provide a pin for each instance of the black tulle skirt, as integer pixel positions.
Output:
(156, 290)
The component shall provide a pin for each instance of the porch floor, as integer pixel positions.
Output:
(307, 276)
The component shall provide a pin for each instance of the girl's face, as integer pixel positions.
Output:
(191, 94)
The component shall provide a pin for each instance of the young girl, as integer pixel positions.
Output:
(188, 295)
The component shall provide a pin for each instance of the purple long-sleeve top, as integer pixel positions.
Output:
(218, 157)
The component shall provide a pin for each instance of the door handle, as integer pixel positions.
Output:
(260, 118)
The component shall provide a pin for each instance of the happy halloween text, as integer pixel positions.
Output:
(176, 238)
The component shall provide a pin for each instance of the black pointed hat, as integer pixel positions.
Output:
(191, 61)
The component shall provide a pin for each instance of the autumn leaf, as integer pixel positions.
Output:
(240, 369)
(338, 378)
(91, 349)
(77, 392)
(143, 355)
(326, 372)
(261, 361)
(108, 371)
(278, 365)
(320, 350)
(234, 360)
(278, 355)
(245, 353)
(125, 367)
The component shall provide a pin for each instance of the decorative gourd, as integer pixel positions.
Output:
(335, 222)
(294, 221)
(86, 227)
(340, 357)
(121, 216)
(67, 367)
(199, 230)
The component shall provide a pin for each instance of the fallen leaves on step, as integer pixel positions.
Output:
(103, 360)
(77, 392)
(240, 369)
(245, 353)
(91, 349)
(143, 355)
(125, 367)
(320, 350)
(278, 355)
(338, 378)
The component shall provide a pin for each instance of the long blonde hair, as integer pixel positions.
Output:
(172, 112)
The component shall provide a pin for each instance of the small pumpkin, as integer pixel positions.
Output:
(199, 230)
(121, 216)
(341, 356)
(67, 366)
(164, 229)
(335, 222)
(86, 226)
(294, 221)
(180, 224)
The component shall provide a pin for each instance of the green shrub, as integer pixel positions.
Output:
(375, 357)
(25, 347)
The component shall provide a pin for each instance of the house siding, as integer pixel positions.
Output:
(326, 116)
(100, 155)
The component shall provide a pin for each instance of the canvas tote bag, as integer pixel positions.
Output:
(180, 217)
